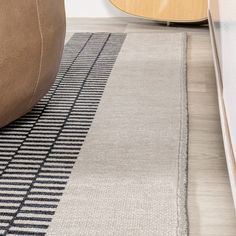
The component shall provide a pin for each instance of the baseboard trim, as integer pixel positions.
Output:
(230, 156)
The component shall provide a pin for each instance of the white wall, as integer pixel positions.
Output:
(224, 17)
(91, 8)
(228, 48)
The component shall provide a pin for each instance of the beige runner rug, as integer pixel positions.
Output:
(130, 177)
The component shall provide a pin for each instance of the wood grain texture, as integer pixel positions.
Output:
(165, 10)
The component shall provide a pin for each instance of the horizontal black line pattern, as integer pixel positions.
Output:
(38, 151)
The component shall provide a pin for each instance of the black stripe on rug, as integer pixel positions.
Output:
(38, 151)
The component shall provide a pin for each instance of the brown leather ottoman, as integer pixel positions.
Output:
(32, 34)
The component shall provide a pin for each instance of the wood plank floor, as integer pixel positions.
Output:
(211, 210)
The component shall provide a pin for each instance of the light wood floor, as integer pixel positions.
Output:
(211, 210)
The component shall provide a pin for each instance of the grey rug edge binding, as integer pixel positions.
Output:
(182, 195)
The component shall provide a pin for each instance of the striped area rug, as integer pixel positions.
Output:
(65, 171)
(38, 151)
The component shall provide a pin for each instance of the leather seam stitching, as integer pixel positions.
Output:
(41, 55)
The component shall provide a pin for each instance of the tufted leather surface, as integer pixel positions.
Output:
(32, 34)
